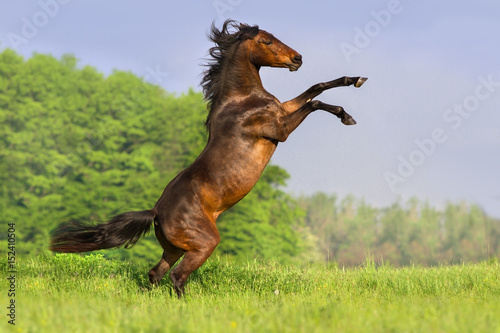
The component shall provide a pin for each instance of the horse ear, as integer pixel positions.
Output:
(247, 31)
(244, 26)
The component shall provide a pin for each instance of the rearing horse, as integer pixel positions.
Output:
(245, 125)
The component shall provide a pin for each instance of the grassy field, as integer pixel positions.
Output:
(69, 293)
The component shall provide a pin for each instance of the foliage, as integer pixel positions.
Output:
(92, 294)
(77, 145)
(348, 230)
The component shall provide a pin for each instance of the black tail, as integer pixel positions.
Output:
(124, 229)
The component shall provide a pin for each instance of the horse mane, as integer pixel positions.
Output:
(224, 49)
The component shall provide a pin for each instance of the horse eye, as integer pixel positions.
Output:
(266, 41)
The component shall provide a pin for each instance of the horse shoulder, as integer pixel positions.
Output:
(264, 119)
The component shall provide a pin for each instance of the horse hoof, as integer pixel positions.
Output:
(360, 82)
(348, 121)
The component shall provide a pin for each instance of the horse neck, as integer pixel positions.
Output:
(242, 76)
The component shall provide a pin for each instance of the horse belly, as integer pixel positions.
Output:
(236, 178)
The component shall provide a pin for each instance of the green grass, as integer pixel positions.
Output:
(69, 293)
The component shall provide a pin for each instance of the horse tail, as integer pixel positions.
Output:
(124, 229)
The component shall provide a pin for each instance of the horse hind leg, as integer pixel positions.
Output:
(170, 256)
(158, 271)
(190, 262)
(166, 262)
(200, 248)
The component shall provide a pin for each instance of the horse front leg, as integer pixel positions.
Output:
(291, 121)
(294, 104)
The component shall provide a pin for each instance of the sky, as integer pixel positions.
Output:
(428, 118)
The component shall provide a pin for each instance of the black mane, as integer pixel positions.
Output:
(224, 40)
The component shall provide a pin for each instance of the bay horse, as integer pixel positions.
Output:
(245, 124)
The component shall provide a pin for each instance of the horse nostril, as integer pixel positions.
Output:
(297, 58)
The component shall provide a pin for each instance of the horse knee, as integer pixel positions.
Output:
(156, 273)
(178, 281)
(154, 279)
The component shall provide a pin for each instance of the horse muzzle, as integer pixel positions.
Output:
(295, 63)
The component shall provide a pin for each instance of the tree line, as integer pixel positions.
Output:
(75, 144)
(349, 230)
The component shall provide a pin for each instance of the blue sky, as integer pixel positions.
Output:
(428, 117)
